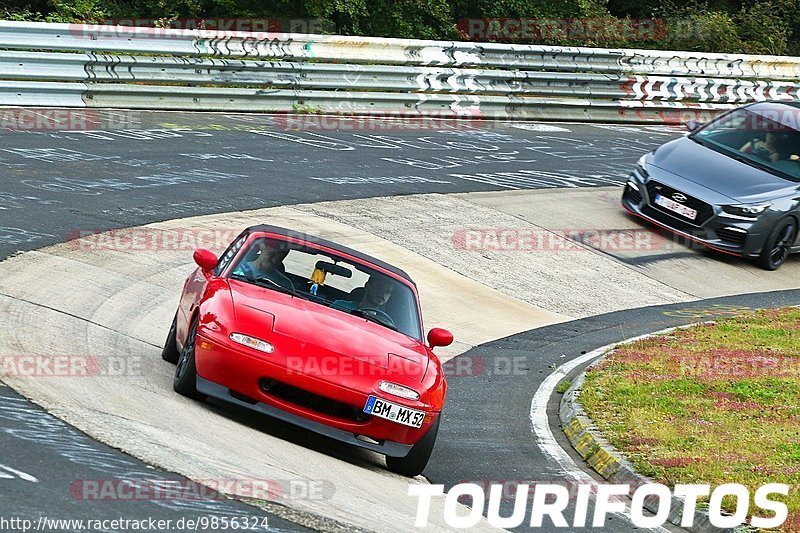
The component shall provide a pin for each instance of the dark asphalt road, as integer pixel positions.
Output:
(51, 471)
(57, 183)
(146, 167)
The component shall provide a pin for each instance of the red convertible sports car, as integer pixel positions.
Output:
(316, 334)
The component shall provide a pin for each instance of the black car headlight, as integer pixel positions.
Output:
(641, 167)
(746, 210)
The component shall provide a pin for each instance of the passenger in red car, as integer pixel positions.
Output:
(377, 291)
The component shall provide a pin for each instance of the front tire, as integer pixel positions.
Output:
(170, 351)
(776, 248)
(414, 463)
(185, 382)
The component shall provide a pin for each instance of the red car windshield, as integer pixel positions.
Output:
(331, 280)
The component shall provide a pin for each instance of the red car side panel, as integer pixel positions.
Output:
(212, 304)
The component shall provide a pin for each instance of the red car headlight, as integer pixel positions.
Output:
(252, 342)
(398, 390)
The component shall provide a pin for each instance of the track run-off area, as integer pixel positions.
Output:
(513, 233)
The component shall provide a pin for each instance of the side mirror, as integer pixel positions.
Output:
(205, 259)
(692, 125)
(439, 337)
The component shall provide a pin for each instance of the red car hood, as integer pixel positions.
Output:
(312, 330)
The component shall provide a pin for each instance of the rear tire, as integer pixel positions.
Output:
(185, 382)
(414, 463)
(170, 351)
(776, 248)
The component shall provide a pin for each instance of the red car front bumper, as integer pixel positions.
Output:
(331, 404)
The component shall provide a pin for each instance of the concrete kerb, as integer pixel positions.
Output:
(606, 460)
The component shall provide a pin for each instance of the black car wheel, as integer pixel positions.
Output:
(776, 249)
(185, 382)
(170, 351)
(414, 463)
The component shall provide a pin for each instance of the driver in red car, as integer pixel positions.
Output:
(267, 264)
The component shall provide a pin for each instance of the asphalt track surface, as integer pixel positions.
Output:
(161, 166)
(167, 165)
(53, 472)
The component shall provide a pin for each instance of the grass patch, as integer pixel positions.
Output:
(717, 403)
(306, 109)
(563, 386)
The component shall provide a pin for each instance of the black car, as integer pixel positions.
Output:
(732, 185)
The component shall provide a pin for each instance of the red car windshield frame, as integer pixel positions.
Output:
(328, 251)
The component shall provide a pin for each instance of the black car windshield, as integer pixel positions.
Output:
(767, 139)
(328, 279)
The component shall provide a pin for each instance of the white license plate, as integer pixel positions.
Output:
(676, 207)
(394, 412)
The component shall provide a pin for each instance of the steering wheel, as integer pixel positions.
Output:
(762, 152)
(379, 313)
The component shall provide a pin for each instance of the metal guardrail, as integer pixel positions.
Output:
(117, 67)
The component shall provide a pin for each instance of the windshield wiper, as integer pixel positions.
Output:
(732, 153)
(751, 162)
(334, 305)
(267, 282)
(372, 318)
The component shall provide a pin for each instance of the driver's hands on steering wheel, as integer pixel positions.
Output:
(378, 313)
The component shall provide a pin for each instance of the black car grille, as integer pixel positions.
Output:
(313, 402)
(672, 222)
(704, 210)
(731, 236)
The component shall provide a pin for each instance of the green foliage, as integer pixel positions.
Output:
(709, 31)
(21, 14)
(305, 109)
(733, 26)
(78, 10)
(763, 28)
(346, 16)
(169, 9)
(760, 27)
(411, 19)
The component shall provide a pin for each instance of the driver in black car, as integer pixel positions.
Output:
(772, 147)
